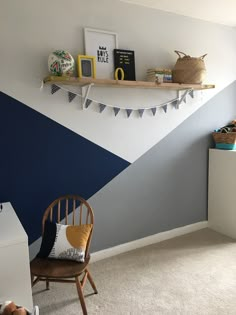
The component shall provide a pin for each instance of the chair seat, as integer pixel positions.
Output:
(56, 268)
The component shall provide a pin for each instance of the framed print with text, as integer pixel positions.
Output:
(101, 44)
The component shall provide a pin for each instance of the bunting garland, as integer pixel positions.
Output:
(174, 102)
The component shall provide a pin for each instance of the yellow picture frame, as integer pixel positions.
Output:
(86, 66)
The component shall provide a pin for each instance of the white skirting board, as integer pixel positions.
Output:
(152, 239)
(126, 247)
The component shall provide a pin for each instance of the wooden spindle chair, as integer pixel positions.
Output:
(66, 271)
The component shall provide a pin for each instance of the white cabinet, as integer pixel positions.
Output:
(222, 192)
(15, 283)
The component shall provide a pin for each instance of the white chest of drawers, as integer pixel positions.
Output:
(222, 192)
(15, 282)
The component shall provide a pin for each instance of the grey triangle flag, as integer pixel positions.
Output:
(101, 107)
(176, 104)
(164, 108)
(154, 110)
(54, 88)
(185, 100)
(116, 110)
(141, 111)
(128, 111)
(191, 93)
(87, 103)
(71, 96)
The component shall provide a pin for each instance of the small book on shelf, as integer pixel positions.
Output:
(124, 59)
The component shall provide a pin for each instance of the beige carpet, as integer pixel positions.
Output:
(193, 274)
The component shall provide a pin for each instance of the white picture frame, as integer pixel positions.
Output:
(101, 44)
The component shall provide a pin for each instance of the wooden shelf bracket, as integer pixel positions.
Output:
(182, 98)
(85, 89)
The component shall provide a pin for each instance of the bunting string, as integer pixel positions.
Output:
(164, 106)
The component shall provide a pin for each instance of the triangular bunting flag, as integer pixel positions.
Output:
(141, 111)
(101, 107)
(71, 96)
(176, 104)
(128, 111)
(191, 93)
(54, 88)
(116, 110)
(185, 100)
(154, 110)
(164, 108)
(87, 103)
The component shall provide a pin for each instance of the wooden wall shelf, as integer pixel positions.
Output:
(122, 84)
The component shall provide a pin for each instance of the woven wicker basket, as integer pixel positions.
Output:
(225, 141)
(189, 69)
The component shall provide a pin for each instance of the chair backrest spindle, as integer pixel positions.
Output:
(73, 218)
(66, 216)
(80, 213)
(59, 211)
(51, 213)
(87, 217)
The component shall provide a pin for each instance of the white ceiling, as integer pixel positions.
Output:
(222, 12)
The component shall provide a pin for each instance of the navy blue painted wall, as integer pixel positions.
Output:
(41, 160)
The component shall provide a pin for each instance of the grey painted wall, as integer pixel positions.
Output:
(167, 187)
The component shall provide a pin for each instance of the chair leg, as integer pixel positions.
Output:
(32, 279)
(81, 296)
(47, 285)
(92, 282)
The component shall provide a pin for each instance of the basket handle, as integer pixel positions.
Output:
(202, 57)
(180, 52)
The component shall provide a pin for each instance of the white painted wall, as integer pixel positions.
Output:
(223, 11)
(30, 30)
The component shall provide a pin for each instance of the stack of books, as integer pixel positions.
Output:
(159, 75)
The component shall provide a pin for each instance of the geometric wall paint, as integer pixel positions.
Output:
(41, 160)
(166, 187)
